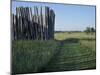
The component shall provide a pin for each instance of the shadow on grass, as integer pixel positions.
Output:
(70, 40)
(75, 40)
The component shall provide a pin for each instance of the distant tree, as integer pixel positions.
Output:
(90, 30)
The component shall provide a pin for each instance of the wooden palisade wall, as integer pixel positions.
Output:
(28, 24)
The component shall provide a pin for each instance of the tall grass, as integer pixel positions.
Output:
(31, 56)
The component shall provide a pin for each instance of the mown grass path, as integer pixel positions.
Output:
(54, 58)
(71, 56)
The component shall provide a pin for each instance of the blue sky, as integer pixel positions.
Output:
(68, 17)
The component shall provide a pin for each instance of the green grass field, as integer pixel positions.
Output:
(69, 51)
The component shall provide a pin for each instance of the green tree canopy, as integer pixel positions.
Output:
(89, 30)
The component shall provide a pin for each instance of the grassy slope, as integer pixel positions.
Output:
(74, 51)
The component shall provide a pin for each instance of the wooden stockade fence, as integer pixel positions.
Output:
(27, 25)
